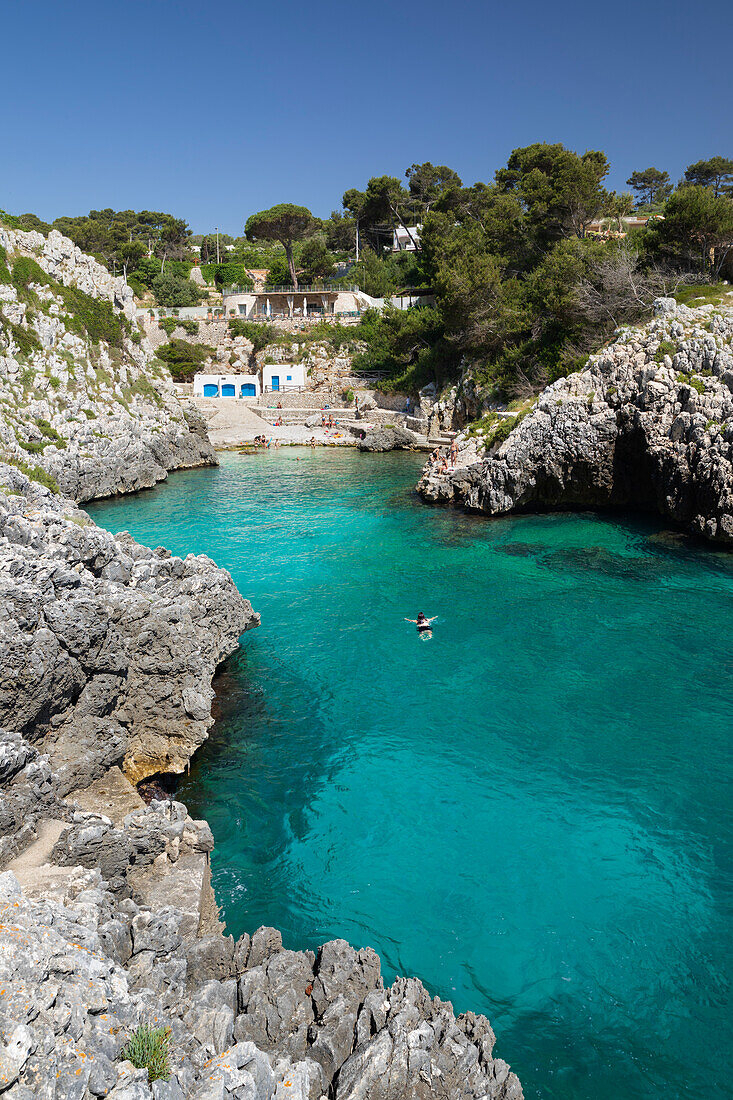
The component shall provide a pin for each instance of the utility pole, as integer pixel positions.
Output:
(357, 240)
(216, 230)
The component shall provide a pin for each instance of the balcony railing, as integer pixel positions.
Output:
(321, 288)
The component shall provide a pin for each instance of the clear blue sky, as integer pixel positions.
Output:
(213, 111)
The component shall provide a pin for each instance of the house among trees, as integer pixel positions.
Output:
(286, 303)
(406, 239)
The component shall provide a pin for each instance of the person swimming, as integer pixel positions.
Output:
(423, 624)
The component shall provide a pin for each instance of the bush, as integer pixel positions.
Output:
(89, 316)
(227, 274)
(666, 347)
(50, 433)
(259, 333)
(35, 473)
(149, 1048)
(168, 325)
(26, 271)
(173, 290)
(184, 359)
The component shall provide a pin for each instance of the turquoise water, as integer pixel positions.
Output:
(531, 811)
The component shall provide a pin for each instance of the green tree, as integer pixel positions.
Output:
(619, 207)
(285, 223)
(130, 254)
(559, 191)
(279, 273)
(697, 230)
(315, 261)
(340, 231)
(104, 233)
(428, 182)
(184, 359)
(716, 173)
(652, 187)
(171, 290)
(378, 210)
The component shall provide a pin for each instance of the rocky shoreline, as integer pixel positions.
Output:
(108, 650)
(107, 653)
(647, 424)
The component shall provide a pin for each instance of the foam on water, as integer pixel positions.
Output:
(531, 811)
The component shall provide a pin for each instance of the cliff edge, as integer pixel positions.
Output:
(647, 424)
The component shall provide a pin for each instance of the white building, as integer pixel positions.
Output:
(282, 377)
(276, 378)
(226, 385)
(406, 240)
(288, 304)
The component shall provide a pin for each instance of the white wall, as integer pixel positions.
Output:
(219, 380)
(290, 375)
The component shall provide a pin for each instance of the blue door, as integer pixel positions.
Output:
(248, 389)
(275, 382)
(227, 390)
(210, 389)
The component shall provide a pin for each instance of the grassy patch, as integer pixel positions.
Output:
(142, 387)
(705, 294)
(666, 347)
(691, 380)
(149, 1048)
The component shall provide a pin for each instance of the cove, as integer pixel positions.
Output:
(531, 811)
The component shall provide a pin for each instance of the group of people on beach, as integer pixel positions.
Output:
(263, 441)
(441, 456)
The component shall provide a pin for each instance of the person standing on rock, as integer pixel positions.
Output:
(453, 452)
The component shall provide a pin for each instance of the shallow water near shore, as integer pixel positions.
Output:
(531, 811)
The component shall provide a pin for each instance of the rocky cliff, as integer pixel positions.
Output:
(86, 407)
(647, 424)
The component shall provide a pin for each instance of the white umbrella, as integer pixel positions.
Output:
(268, 307)
(305, 307)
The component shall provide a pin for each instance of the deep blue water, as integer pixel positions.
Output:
(531, 811)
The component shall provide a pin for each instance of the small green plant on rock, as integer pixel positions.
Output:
(666, 347)
(690, 380)
(149, 1048)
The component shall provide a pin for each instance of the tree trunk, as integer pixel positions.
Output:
(288, 246)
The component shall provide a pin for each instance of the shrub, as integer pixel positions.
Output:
(168, 325)
(26, 271)
(184, 359)
(172, 290)
(689, 380)
(228, 274)
(33, 446)
(149, 1048)
(190, 327)
(5, 276)
(49, 432)
(666, 347)
(35, 473)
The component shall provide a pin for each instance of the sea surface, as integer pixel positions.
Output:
(531, 811)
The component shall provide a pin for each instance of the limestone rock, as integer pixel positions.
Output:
(388, 439)
(637, 428)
